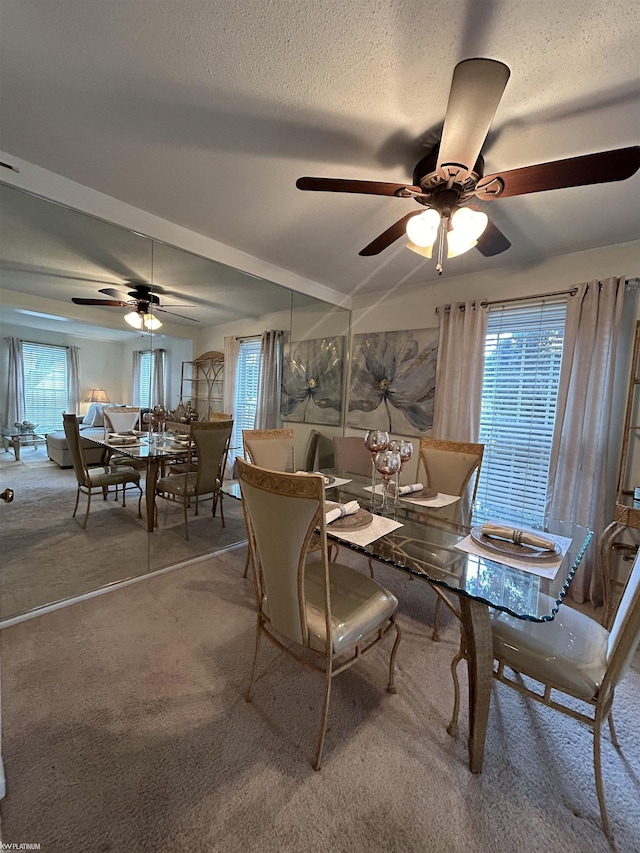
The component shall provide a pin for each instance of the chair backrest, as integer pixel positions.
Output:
(211, 440)
(270, 448)
(311, 450)
(122, 419)
(351, 456)
(625, 631)
(449, 465)
(72, 434)
(282, 511)
(220, 416)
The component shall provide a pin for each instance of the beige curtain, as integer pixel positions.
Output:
(459, 371)
(231, 350)
(268, 411)
(580, 456)
(15, 384)
(73, 379)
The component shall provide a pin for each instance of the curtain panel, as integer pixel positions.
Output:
(73, 379)
(580, 455)
(15, 384)
(459, 370)
(231, 350)
(268, 411)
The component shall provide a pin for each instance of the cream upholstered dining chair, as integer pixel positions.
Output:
(323, 614)
(121, 418)
(204, 470)
(572, 655)
(270, 448)
(453, 468)
(91, 480)
(311, 450)
(350, 455)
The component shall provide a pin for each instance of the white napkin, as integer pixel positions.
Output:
(325, 479)
(407, 490)
(343, 509)
(520, 537)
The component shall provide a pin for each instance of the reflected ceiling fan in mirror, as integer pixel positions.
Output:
(144, 303)
(451, 176)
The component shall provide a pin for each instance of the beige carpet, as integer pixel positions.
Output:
(125, 729)
(47, 557)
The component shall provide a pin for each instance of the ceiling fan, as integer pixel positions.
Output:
(144, 302)
(451, 176)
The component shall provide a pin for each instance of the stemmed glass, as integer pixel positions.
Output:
(375, 440)
(405, 449)
(387, 463)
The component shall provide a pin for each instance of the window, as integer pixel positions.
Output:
(246, 402)
(46, 390)
(523, 354)
(146, 372)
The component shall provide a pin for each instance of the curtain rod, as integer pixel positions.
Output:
(248, 337)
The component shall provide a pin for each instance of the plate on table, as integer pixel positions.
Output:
(122, 438)
(423, 495)
(350, 523)
(509, 549)
(328, 480)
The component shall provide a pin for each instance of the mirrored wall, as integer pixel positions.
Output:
(50, 255)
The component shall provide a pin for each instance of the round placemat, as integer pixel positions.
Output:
(423, 495)
(510, 549)
(358, 521)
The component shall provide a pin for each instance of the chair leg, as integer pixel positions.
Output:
(612, 730)
(325, 714)
(86, 515)
(255, 662)
(246, 563)
(391, 687)
(597, 767)
(370, 566)
(186, 521)
(435, 636)
(221, 509)
(140, 503)
(75, 509)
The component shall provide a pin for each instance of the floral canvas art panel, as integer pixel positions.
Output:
(393, 378)
(312, 381)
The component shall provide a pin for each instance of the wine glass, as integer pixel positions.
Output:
(387, 463)
(375, 440)
(405, 449)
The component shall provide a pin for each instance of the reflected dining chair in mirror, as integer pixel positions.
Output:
(92, 480)
(574, 656)
(121, 419)
(270, 448)
(203, 471)
(452, 468)
(311, 451)
(350, 455)
(323, 614)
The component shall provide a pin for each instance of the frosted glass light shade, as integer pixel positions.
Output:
(457, 244)
(134, 319)
(468, 223)
(151, 322)
(423, 229)
(425, 251)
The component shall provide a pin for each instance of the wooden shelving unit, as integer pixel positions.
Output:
(201, 384)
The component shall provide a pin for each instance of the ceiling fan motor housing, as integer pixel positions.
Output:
(443, 191)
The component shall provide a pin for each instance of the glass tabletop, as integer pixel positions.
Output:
(425, 546)
(145, 446)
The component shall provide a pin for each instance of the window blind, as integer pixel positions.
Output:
(46, 390)
(522, 359)
(246, 402)
(146, 369)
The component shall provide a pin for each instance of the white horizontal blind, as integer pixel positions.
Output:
(46, 392)
(523, 354)
(246, 402)
(146, 368)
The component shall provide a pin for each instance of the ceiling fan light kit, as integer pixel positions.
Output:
(143, 305)
(451, 176)
(140, 319)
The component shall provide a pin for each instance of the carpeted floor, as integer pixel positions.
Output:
(47, 557)
(125, 729)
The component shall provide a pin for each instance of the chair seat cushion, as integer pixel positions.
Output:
(569, 652)
(178, 484)
(112, 476)
(359, 605)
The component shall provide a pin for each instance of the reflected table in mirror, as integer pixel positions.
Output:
(424, 546)
(17, 439)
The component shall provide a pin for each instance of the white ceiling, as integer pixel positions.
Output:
(205, 113)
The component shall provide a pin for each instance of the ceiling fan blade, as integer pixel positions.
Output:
(111, 302)
(397, 230)
(601, 168)
(155, 308)
(476, 89)
(492, 241)
(112, 291)
(340, 185)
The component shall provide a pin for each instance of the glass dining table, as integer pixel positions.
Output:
(157, 449)
(426, 543)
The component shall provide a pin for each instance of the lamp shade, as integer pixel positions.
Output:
(151, 322)
(98, 395)
(134, 319)
(422, 230)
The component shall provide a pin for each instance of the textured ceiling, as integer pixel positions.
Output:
(205, 113)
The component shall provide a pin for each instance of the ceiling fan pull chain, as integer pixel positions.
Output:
(441, 233)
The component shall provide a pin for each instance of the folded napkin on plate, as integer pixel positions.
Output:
(407, 490)
(327, 480)
(520, 537)
(344, 509)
